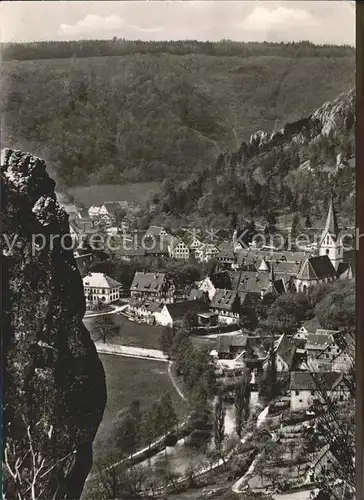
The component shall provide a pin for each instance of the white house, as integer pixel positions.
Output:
(194, 242)
(308, 327)
(170, 314)
(101, 288)
(178, 249)
(206, 251)
(144, 309)
(94, 211)
(207, 286)
(306, 388)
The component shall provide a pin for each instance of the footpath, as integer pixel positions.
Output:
(131, 352)
(116, 310)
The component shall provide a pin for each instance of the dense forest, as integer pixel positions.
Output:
(120, 47)
(176, 112)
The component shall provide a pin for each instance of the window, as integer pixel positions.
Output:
(297, 393)
(327, 252)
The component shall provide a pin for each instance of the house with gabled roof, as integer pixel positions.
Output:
(170, 314)
(98, 287)
(154, 286)
(284, 350)
(178, 249)
(258, 284)
(144, 309)
(228, 305)
(226, 258)
(192, 240)
(308, 327)
(157, 231)
(315, 270)
(214, 281)
(228, 346)
(205, 252)
(321, 348)
(306, 388)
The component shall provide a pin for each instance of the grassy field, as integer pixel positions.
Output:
(96, 195)
(127, 380)
(130, 333)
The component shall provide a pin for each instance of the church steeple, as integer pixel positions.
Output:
(331, 241)
(331, 225)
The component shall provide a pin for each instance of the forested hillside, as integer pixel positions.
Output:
(290, 171)
(158, 110)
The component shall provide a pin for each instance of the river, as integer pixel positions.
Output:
(189, 453)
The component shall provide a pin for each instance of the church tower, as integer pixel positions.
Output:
(331, 242)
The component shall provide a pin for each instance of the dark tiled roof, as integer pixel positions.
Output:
(221, 279)
(254, 282)
(225, 299)
(286, 350)
(226, 251)
(317, 268)
(316, 381)
(287, 268)
(149, 305)
(148, 282)
(177, 310)
(256, 256)
(224, 342)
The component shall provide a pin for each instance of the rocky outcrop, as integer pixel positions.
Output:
(54, 382)
(331, 119)
(337, 116)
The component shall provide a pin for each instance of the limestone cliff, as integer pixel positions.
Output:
(54, 382)
(291, 170)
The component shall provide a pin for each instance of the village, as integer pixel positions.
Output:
(220, 307)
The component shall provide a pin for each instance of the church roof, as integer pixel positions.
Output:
(315, 268)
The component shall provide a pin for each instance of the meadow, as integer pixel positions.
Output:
(97, 194)
(128, 380)
(130, 333)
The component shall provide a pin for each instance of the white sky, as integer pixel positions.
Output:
(318, 21)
